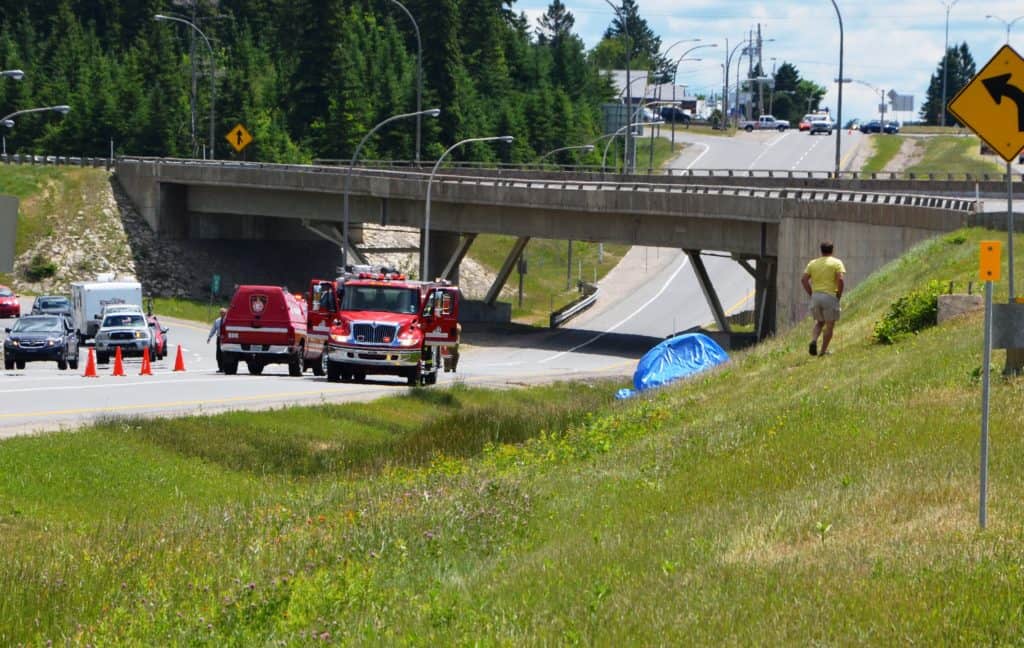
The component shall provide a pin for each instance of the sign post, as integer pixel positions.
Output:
(988, 271)
(992, 105)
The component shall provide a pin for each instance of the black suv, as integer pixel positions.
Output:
(674, 115)
(41, 337)
(51, 305)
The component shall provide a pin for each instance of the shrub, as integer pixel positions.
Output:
(40, 268)
(910, 313)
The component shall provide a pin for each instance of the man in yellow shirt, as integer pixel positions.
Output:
(823, 282)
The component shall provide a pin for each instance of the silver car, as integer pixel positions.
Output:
(127, 331)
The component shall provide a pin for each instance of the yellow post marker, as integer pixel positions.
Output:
(988, 271)
(990, 260)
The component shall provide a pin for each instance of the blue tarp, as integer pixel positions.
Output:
(673, 359)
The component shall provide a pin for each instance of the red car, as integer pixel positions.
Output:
(159, 349)
(9, 304)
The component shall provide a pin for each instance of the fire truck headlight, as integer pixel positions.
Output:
(336, 337)
(410, 338)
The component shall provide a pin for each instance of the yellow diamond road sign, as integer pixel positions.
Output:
(239, 138)
(992, 104)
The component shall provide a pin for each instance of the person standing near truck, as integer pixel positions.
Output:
(215, 332)
(823, 281)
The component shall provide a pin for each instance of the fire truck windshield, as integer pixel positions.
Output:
(390, 299)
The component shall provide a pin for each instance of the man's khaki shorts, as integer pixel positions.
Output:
(825, 307)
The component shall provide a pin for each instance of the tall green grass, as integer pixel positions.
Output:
(782, 499)
(957, 155)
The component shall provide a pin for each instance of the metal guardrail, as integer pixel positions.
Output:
(62, 160)
(589, 293)
(797, 193)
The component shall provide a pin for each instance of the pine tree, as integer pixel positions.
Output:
(959, 66)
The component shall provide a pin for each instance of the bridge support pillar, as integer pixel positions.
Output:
(451, 269)
(709, 290)
(443, 246)
(506, 270)
(172, 218)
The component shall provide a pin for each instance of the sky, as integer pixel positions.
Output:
(886, 45)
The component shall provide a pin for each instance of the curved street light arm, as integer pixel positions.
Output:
(611, 138)
(213, 72)
(583, 147)
(433, 112)
(17, 75)
(62, 109)
(507, 139)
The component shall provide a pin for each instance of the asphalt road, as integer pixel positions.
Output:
(650, 295)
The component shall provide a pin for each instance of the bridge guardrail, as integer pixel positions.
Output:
(951, 203)
(62, 160)
(588, 296)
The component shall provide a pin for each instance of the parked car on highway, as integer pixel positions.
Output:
(159, 333)
(875, 126)
(821, 125)
(41, 337)
(674, 114)
(9, 304)
(853, 124)
(51, 305)
(129, 331)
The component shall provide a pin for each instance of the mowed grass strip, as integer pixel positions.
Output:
(955, 155)
(885, 149)
(782, 499)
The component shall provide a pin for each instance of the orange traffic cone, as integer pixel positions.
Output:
(179, 362)
(146, 369)
(118, 365)
(90, 366)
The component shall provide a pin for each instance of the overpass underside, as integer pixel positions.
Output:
(770, 232)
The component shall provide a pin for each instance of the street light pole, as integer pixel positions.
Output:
(8, 120)
(1009, 25)
(611, 138)
(507, 139)
(419, 78)
(945, 62)
(839, 108)
(433, 112)
(213, 72)
(629, 81)
(583, 147)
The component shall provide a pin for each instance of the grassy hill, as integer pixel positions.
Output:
(783, 499)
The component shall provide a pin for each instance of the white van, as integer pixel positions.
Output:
(88, 299)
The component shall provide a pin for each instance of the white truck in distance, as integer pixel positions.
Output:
(764, 122)
(89, 297)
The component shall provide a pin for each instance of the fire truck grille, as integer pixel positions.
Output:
(368, 333)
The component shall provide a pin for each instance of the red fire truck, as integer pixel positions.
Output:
(376, 321)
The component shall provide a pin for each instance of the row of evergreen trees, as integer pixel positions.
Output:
(308, 78)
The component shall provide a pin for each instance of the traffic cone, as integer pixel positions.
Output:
(118, 365)
(179, 362)
(90, 366)
(146, 369)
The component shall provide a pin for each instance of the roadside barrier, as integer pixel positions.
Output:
(179, 361)
(90, 366)
(588, 295)
(118, 363)
(146, 369)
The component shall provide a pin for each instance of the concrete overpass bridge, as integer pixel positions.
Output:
(770, 225)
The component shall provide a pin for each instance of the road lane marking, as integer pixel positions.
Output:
(808, 152)
(768, 146)
(650, 301)
(703, 153)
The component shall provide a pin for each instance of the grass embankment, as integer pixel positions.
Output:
(783, 499)
(956, 155)
(885, 149)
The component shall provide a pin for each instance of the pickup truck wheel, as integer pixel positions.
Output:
(749, 129)
(62, 363)
(255, 367)
(295, 366)
(359, 376)
(230, 366)
(20, 364)
(782, 128)
(8, 363)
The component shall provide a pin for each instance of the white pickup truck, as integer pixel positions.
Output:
(764, 122)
